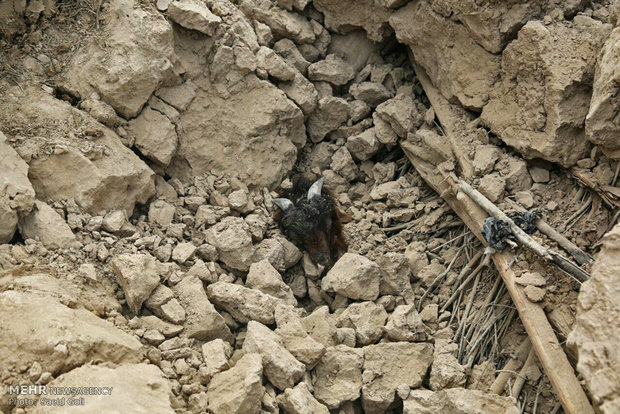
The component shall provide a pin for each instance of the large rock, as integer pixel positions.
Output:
(457, 401)
(301, 91)
(401, 113)
(134, 62)
(16, 192)
(156, 137)
(540, 105)
(321, 326)
(331, 113)
(446, 372)
(390, 365)
(295, 338)
(238, 390)
(602, 122)
(395, 276)
(233, 241)
(405, 324)
(87, 163)
(338, 376)
(332, 69)
(133, 388)
(492, 24)
(598, 326)
(462, 70)
(242, 303)
(43, 223)
(274, 65)
(368, 320)
(203, 321)
(216, 354)
(279, 365)
(258, 148)
(264, 277)
(138, 275)
(346, 15)
(283, 23)
(353, 276)
(194, 15)
(58, 337)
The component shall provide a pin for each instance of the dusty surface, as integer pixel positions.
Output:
(142, 145)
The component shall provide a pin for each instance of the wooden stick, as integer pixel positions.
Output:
(511, 366)
(609, 194)
(450, 116)
(579, 255)
(522, 377)
(549, 351)
(560, 261)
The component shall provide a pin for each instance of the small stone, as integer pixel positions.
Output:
(295, 338)
(173, 311)
(153, 337)
(277, 67)
(114, 220)
(183, 252)
(242, 303)
(238, 201)
(485, 158)
(299, 400)
(373, 93)
(343, 164)
(525, 198)
(331, 113)
(35, 371)
(539, 174)
(161, 213)
(204, 272)
(88, 271)
(43, 223)
(338, 376)
(216, 354)
(405, 324)
(430, 313)
(552, 205)
(368, 320)
(535, 294)
(387, 366)
(233, 241)
(587, 163)
(363, 146)
(531, 279)
(492, 186)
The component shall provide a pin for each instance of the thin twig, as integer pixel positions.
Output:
(439, 278)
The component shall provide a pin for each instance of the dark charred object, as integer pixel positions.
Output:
(309, 217)
(526, 220)
(496, 231)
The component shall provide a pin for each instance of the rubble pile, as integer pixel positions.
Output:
(141, 151)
